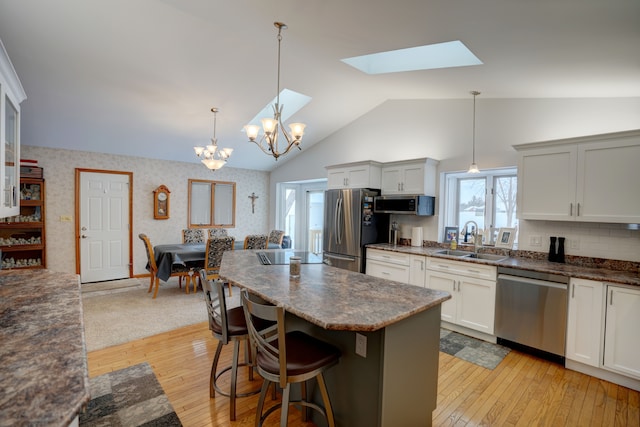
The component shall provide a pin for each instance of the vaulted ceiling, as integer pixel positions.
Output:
(140, 77)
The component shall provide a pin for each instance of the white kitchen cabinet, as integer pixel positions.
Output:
(585, 321)
(409, 177)
(418, 270)
(587, 179)
(354, 175)
(11, 95)
(473, 292)
(388, 265)
(622, 339)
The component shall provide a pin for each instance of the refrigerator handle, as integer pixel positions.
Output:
(338, 224)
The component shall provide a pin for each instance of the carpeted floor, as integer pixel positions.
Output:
(472, 350)
(127, 312)
(128, 397)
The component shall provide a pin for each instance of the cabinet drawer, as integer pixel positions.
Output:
(383, 270)
(463, 268)
(388, 257)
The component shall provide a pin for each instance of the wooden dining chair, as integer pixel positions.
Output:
(213, 255)
(256, 241)
(179, 271)
(217, 232)
(193, 235)
(276, 236)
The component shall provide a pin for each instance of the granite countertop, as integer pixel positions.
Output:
(43, 375)
(332, 298)
(627, 273)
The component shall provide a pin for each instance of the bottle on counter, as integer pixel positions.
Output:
(552, 249)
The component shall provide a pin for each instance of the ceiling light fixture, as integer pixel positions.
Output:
(211, 156)
(474, 167)
(268, 143)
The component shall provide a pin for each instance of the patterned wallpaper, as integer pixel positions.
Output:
(59, 173)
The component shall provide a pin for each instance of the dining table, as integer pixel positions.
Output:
(180, 254)
(186, 255)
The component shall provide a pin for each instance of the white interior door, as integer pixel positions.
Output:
(104, 226)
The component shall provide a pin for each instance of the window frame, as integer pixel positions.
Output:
(450, 207)
(212, 204)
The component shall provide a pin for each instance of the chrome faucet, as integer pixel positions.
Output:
(477, 238)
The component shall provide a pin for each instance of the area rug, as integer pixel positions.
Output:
(472, 350)
(128, 397)
(117, 317)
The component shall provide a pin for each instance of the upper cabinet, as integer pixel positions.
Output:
(416, 176)
(354, 175)
(589, 179)
(11, 95)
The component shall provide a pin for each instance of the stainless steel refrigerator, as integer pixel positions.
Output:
(349, 225)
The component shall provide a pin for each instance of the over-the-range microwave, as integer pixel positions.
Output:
(410, 205)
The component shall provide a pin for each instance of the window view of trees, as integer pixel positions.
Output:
(488, 199)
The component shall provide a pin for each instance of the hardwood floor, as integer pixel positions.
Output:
(522, 391)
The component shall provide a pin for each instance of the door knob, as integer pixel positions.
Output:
(84, 236)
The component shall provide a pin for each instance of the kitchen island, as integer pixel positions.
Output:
(392, 379)
(43, 375)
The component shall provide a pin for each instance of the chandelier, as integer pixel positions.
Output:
(474, 167)
(268, 142)
(213, 157)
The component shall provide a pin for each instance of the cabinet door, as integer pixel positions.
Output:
(608, 176)
(358, 177)
(417, 273)
(391, 180)
(413, 179)
(621, 342)
(388, 271)
(445, 282)
(584, 321)
(336, 178)
(547, 183)
(476, 304)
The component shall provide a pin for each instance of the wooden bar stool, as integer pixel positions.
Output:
(286, 358)
(226, 325)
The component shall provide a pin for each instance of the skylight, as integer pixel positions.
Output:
(292, 102)
(439, 55)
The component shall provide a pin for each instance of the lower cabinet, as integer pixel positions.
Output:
(602, 330)
(585, 321)
(388, 265)
(418, 270)
(473, 299)
(621, 338)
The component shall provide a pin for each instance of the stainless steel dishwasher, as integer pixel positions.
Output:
(531, 310)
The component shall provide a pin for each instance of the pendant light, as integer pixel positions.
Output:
(474, 167)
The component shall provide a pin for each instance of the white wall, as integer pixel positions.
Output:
(59, 173)
(442, 130)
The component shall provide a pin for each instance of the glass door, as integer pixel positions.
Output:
(10, 159)
(315, 220)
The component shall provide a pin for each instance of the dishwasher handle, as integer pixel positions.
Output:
(528, 281)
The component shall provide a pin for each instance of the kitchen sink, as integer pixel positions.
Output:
(487, 257)
(453, 253)
(467, 254)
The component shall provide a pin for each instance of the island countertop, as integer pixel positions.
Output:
(329, 297)
(43, 375)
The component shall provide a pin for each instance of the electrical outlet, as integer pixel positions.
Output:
(535, 241)
(574, 244)
(361, 345)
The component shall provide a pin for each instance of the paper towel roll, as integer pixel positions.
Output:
(416, 236)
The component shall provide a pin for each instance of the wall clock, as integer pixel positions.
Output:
(161, 202)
